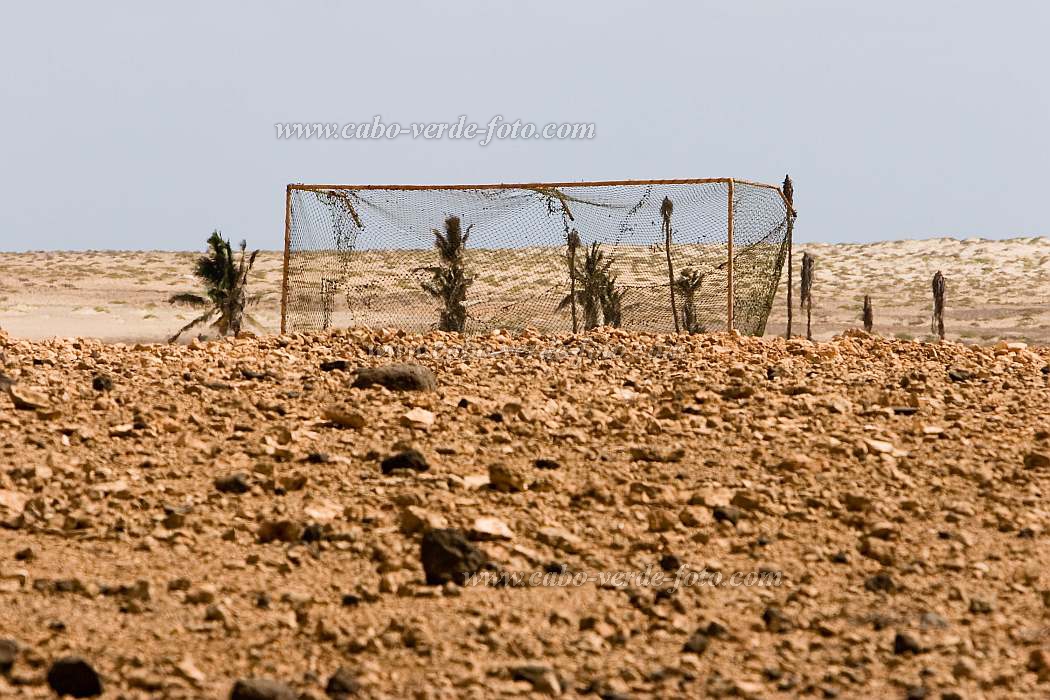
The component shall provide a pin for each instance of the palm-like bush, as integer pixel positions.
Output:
(687, 285)
(449, 281)
(594, 289)
(225, 282)
(612, 301)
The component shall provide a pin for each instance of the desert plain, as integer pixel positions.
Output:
(610, 515)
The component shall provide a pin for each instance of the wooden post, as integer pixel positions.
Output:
(729, 262)
(790, 231)
(287, 251)
(788, 192)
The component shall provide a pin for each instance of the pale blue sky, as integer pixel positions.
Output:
(146, 125)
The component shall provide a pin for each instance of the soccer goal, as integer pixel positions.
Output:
(691, 256)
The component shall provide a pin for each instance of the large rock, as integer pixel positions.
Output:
(398, 377)
(447, 555)
(72, 675)
(260, 689)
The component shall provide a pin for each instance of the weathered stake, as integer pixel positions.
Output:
(729, 262)
(789, 196)
(937, 324)
(287, 252)
(666, 209)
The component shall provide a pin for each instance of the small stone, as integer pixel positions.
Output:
(406, 459)
(397, 377)
(878, 550)
(654, 454)
(964, 668)
(72, 675)
(414, 519)
(881, 582)
(697, 643)
(728, 514)
(260, 689)
(559, 538)
(12, 504)
(342, 684)
(1037, 460)
(8, 654)
(486, 529)
(777, 621)
(233, 483)
(543, 463)
(981, 606)
(344, 417)
(280, 531)
(1039, 664)
(333, 365)
(904, 643)
(26, 399)
(447, 555)
(102, 382)
(878, 446)
(418, 418)
(187, 668)
(542, 678)
(506, 478)
(857, 502)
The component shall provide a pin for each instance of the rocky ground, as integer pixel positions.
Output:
(258, 518)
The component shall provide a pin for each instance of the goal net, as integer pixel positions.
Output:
(659, 256)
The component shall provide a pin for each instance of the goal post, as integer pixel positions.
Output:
(698, 255)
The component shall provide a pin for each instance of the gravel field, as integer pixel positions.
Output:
(716, 516)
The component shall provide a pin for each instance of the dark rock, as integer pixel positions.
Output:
(233, 483)
(332, 365)
(1037, 460)
(72, 675)
(904, 643)
(260, 689)
(958, 374)
(777, 621)
(406, 459)
(8, 654)
(669, 562)
(280, 531)
(318, 458)
(342, 684)
(917, 692)
(101, 382)
(697, 642)
(881, 581)
(729, 514)
(397, 377)
(981, 606)
(447, 555)
(542, 463)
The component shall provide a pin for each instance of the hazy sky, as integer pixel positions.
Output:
(146, 125)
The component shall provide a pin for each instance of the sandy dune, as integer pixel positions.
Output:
(996, 290)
